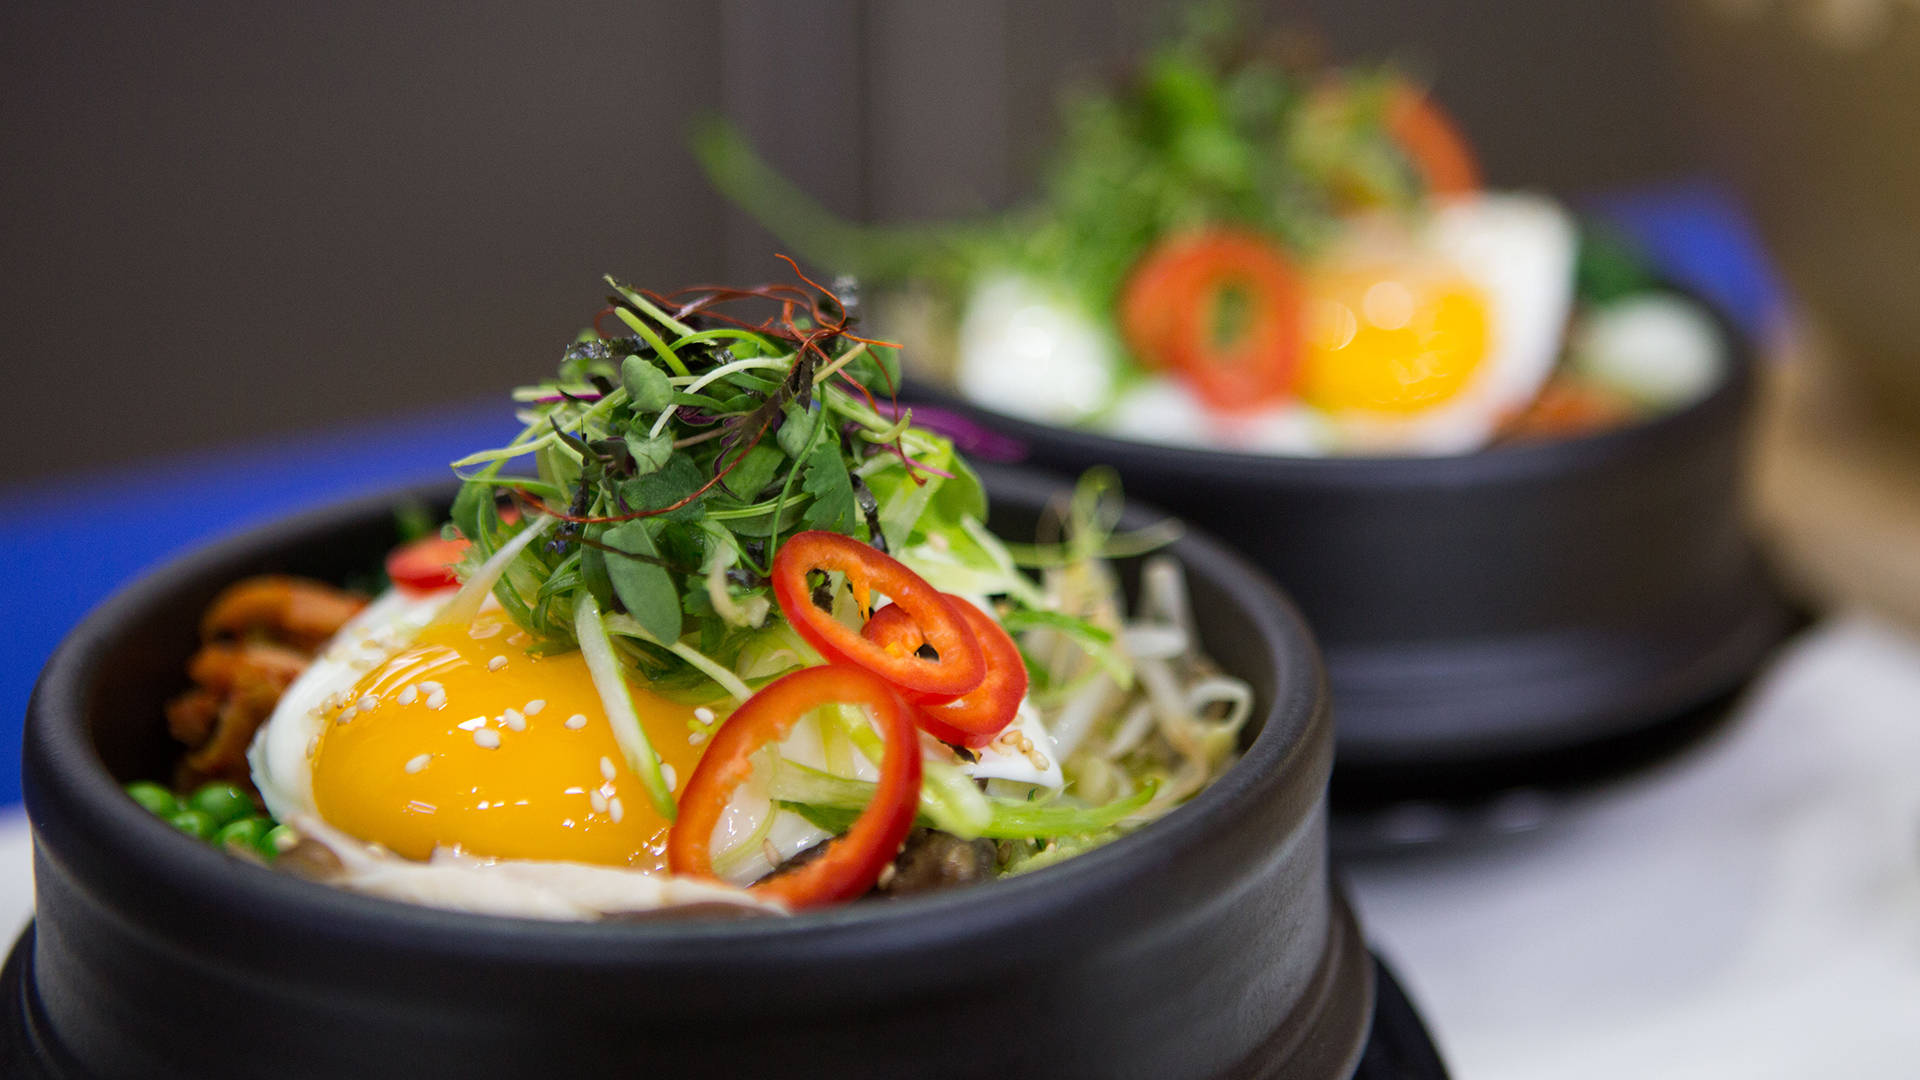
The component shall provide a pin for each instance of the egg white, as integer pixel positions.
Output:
(1162, 409)
(1028, 351)
(281, 756)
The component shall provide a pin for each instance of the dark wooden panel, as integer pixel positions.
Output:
(227, 219)
(793, 78)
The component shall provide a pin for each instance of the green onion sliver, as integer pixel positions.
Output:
(473, 592)
(947, 794)
(1008, 819)
(618, 701)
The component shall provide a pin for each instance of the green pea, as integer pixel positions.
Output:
(194, 822)
(224, 803)
(156, 799)
(277, 839)
(247, 833)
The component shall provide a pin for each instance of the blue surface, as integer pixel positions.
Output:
(1700, 238)
(68, 543)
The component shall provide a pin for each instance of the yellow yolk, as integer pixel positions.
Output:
(1382, 339)
(471, 742)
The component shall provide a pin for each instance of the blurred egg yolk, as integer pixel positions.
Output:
(464, 740)
(1386, 339)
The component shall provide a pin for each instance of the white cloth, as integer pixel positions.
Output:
(1748, 910)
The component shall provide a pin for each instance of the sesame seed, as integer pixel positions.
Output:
(429, 687)
(474, 724)
(496, 663)
(367, 702)
(615, 810)
(597, 801)
(695, 738)
(487, 739)
(703, 714)
(513, 720)
(437, 699)
(606, 768)
(407, 694)
(532, 708)
(577, 721)
(672, 778)
(415, 764)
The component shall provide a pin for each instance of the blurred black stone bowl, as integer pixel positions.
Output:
(1210, 944)
(1487, 617)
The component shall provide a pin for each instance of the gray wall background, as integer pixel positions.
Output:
(227, 220)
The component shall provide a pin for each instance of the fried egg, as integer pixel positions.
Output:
(459, 738)
(1421, 339)
(464, 770)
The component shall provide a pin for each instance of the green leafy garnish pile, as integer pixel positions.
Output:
(676, 455)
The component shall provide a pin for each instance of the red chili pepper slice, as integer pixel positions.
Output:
(426, 564)
(1173, 312)
(850, 864)
(974, 718)
(961, 666)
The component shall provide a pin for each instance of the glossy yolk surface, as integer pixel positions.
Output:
(1387, 339)
(471, 742)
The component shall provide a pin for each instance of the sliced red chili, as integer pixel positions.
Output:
(426, 564)
(851, 863)
(961, 666)
(974, 718)
(1222, 308)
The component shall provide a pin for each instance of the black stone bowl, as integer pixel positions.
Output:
(1485, 614)
(1210, 944)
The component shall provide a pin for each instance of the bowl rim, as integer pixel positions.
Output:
(1496, 463)
(70, 793)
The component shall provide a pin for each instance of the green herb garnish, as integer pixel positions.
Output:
(677, 452)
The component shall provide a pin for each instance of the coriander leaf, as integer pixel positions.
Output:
(645, 588)
(832, 490)
(649, 453)
(755, 470)
(796, 432)
(679, 478)
(593, 568)
(697, 603)
(646, 384)
(961, 496)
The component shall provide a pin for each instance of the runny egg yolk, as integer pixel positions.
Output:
(465, 740)
(1391, 339)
